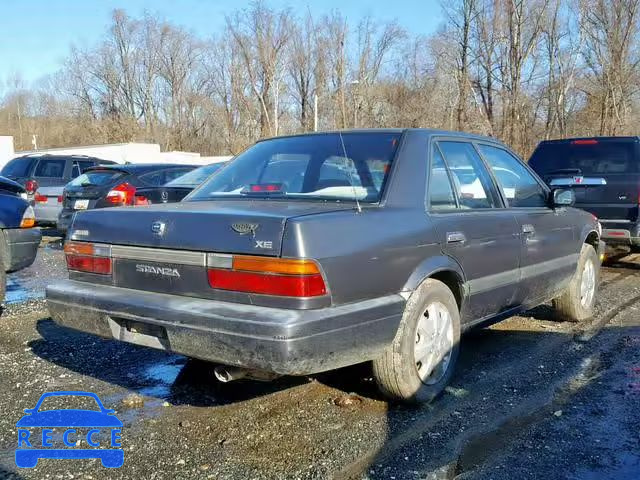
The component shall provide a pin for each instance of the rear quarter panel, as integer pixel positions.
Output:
(365, 255)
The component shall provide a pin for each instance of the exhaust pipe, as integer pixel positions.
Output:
(226, 374)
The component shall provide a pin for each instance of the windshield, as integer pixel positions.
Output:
(195, 177)
(95, 178)
(584, 159)
(322, 166)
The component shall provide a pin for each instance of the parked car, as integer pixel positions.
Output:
(178, 188)
(604, 172)
(18, 239)
(43, 170)
(114, 186)
(295, 271)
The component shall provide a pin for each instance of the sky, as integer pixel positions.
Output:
(36, 34)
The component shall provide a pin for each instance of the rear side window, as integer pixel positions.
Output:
(519, 187)
(174, 173)
(475, 188)
(441, 193)
(50, 168)
(18, 167)
(586, 158)
(153, 178)
(96, 178)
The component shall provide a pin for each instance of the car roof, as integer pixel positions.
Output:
(48, 156)
(429, 131)
(599, 139)
(139, 168)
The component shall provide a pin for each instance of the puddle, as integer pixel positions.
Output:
(18, 292)
(157, 380)
(164, 375)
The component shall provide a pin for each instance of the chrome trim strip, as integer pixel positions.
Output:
(603, 220)
(577, 181)
(180, 257)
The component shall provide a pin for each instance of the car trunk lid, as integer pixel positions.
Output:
(223, 226)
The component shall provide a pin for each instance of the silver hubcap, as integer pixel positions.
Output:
(434, 341)
(588, 284)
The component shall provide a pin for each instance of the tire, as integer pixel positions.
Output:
(573, 305)
(397, 372)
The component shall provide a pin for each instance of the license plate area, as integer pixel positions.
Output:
(140, 333)
(81, 204)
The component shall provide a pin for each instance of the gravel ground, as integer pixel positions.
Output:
(532, 398)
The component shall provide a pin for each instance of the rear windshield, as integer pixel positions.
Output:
(96, 178)
(18, 167)
(584, 159)
(194, 177)
(324, 166)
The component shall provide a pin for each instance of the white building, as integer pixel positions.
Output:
(118, 152)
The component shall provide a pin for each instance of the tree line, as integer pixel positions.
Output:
(518, 70)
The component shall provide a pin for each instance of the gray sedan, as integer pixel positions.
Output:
(313, 252)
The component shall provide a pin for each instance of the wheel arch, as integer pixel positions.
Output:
(444, 269)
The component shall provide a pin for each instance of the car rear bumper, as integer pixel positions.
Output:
(621, 235)
(47, 214)
(64, 220)
(288, 342)
(21, 247)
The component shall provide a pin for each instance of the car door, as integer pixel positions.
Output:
(548, 244)
(474, 228)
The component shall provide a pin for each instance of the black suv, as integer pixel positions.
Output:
(114, 186)
(44, 170)
(604, 172)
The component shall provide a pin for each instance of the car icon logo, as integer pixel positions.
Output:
(99, 429)
(164, 196)
(158, 228)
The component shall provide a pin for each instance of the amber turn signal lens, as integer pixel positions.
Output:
(78, 248)
(286, 266)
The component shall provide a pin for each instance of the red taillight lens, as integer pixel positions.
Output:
(81, 263)
(141, 200)
(267, 284)
(30, 186)
(88, 257)
(60, 198)
(589, 141)
(39, 198)
(266, 275)
(123, 194)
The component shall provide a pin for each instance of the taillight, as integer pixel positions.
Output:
(60, 198)
(586, 141)
(265, 275)
(28, 218)
(123, 194)
(88, 257)
(141, 200)
(31, 186)
(39, 198)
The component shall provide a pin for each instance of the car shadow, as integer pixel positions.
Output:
(148, 372)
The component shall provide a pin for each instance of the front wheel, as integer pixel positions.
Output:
(419, 363)
(578, 300)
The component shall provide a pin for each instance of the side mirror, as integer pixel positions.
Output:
(562, 197)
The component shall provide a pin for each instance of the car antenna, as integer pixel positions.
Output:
(346, 161)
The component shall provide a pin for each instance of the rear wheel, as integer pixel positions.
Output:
(419, 363)
(579, 297)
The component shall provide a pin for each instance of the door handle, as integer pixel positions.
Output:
(456, 237)
(528, 229)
